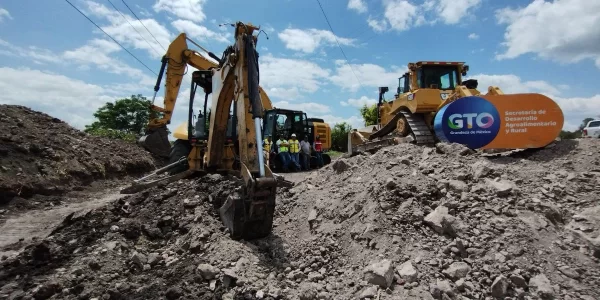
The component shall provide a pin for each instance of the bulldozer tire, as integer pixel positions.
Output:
(181, 148)
(326, 159)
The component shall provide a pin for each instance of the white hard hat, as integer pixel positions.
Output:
(293, 134)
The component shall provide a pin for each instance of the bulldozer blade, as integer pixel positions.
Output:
(157, 141)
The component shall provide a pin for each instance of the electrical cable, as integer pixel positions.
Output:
(122, 15)
(143, 24)
(339, 46)
(111, 38)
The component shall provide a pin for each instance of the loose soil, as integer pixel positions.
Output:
(407, 222)
(42, 155)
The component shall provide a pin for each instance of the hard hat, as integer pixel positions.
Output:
(293, 135)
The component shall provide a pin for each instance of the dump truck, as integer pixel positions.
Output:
(433, 104)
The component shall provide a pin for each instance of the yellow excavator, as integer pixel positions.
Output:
(221, 145)
(277, 121)
(434, 104)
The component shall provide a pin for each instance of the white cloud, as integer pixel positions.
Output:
(36, 54)
(360, 102)
(574, 109)
(130, 32)
(540, 28)
(68, 99)
(370, 75)
(200, 32)
(354, 121)
(97, 52)
(513, 84)
(377, 25)
(453, 11)
(401, 15)
(308, 107)
(4, 14)
(473, 36)
(288, 73)
(357, 5)
(310, 39)
(185, 9)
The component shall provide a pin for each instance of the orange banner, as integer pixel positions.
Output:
(512, 121)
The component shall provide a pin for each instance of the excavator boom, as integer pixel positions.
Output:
(176, 62)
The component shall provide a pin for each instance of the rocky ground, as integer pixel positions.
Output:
(404, 223)
(44, 156)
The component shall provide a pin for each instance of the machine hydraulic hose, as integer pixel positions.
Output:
(254, 95)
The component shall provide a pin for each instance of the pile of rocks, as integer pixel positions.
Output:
(407, 221)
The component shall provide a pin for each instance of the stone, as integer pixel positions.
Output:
(369, 293)
(500, 287)
(567, 271)
(390, 184)
(380, 273)
(457, 270)
(502, 187)
(173, 293)
(207, 271)
(440, 289)
(308, 291)
(458, 186)
(340, 165)
(541, 286)
(408, 272)
(518, 281)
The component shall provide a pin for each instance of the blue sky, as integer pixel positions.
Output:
(54, 60)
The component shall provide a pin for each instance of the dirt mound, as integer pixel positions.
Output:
(43, 155)
(404, 223)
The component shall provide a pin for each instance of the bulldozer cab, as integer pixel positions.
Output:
(434, 75)
(284, 122)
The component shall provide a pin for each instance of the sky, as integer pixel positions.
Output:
(54, 60)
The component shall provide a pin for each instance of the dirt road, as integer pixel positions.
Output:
(37, 224)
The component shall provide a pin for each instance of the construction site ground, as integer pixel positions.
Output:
(406, 222)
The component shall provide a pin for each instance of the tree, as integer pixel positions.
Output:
(369, 114)
(125, 118)
(339, 136)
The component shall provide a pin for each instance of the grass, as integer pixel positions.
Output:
(334, 154)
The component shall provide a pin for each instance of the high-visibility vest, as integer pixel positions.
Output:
(318, 146)
(294, 146)
(282, 144)
(267, 145)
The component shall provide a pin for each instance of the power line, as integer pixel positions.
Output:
(122, 15)
(143, 24)
(339, 46)
(111, 37)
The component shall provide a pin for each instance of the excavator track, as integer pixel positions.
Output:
(416, 124)
(419, 128)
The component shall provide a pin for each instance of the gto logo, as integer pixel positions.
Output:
(483, 120)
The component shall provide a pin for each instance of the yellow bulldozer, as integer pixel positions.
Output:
(433, 104)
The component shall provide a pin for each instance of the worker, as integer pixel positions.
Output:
(305, 150)
(284, 155)
(318, 147)
(267, 148)
(295, 151)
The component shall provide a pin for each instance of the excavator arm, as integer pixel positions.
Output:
(176, 62)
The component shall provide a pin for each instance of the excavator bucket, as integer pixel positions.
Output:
(157, 141)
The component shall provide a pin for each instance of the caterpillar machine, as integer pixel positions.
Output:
(434, 104)
(231, 143)
(227, 139)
